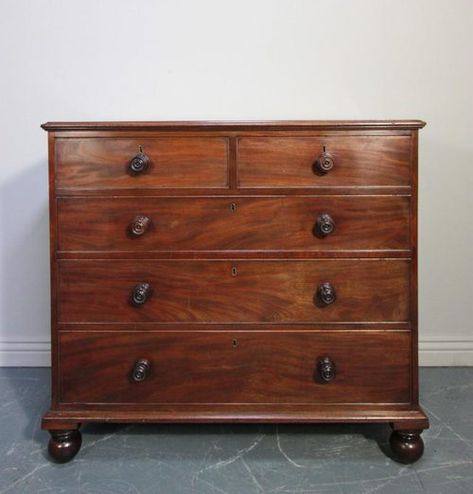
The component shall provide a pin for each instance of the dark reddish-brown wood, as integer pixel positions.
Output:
(234, 223)
(236, 125)
(234, 272)
(65, 415)
(407, 446)
(173, 162)
(370, 290)
(292, 161)
(234, 367)
(64, 444)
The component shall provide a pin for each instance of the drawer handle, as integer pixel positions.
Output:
(324, 163)
(324, 225)
(326, 369)
(140, 370)
(138, 164)
(326, 294)
(139, 225)
(140, 294)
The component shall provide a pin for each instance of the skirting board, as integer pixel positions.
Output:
(446, 353)
(431, 353)
(25, 353)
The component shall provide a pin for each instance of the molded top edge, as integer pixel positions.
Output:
(237, 125)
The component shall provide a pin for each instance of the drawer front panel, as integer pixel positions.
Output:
(234, 367)
(173, 162)
(369, 290)
(233, 223)
(359, 161)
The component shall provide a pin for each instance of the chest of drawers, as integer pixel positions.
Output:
(234, 272)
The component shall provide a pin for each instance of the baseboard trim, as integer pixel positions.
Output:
(25, 353)
(432, 353)
(446, 353)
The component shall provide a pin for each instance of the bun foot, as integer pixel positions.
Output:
(64, 444)
(407, 446)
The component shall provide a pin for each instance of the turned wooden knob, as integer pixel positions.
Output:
(324, 163)
(324, 225)
(326, 294)
(139, 164)
(326, 369)
(139, 225)
(140, 370)
(140, 294)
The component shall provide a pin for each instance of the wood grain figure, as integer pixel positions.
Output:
(234, 272)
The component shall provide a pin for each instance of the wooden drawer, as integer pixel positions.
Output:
(371, 290)
(358, 161)
(241, 367)
(233, 223)
(94, 163)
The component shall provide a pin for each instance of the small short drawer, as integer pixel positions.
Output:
(239, 291)
(329, 161)
(314, 224)
(121, 163)
(234, 367)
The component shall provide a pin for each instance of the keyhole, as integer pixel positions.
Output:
(234, 343)
(233, 207)
(323, 147)
(234, 271)
(141, 148)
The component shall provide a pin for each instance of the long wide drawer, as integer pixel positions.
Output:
(234, 367)
(174, 162)
(360, 161)
(362, 290)
(233, 223)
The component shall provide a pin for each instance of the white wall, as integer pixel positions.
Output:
(245, 59)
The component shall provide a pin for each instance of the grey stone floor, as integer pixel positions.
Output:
(216, 459)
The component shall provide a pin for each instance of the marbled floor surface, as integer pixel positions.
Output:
(229, 459)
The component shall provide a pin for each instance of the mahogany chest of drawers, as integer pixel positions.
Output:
(234, 272)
